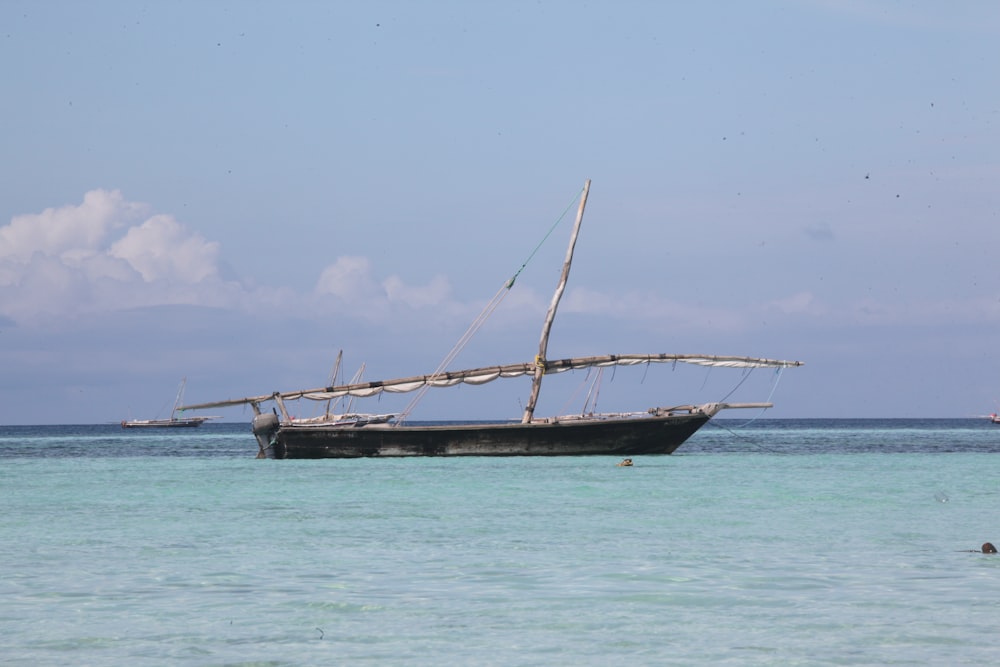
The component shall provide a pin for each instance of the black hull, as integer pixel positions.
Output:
(612, 437)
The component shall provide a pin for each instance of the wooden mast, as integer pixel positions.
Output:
(180, 398)
(333, 377)
(536, 382)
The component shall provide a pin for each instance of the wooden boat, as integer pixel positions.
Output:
(659, 430)
(174, 421)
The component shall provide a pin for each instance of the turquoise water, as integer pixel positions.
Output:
(785, 543)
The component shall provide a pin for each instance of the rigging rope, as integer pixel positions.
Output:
(594, 387)
(754, 442)
(483, 316)
(595, 392)
(746, 375)
(774, 388)
(510, 283)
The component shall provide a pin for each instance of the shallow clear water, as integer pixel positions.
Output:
(787, 542)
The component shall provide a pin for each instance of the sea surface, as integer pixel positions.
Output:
(781, 542)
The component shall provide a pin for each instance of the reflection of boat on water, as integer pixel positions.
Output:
(658, 430)
(174, 421)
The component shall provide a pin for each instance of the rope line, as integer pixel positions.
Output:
(510, 283)
(478, 323)
(459, 346)
(742, 435)
(774, 388)
(746, 376)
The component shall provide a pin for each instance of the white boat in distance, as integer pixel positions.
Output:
(658, 430)
(174, 421)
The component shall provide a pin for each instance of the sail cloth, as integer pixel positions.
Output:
(477, 376)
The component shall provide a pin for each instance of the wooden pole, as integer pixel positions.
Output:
(536, 382)
(333, 378)
(179, 401)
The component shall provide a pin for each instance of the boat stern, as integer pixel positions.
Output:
(265, 428)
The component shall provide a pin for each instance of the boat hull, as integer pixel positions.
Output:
(613, 437)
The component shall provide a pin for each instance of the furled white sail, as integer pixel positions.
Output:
(477, 376)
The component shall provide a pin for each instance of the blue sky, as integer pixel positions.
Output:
(233, 192)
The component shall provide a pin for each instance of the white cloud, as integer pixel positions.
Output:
(349, 278)
(163, 249)
(72, 230)
(68, 260)
(107, 254)
(800, 302)
(436, 293)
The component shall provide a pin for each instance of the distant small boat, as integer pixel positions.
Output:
(165, 423)
(174, 421)
(995, 418)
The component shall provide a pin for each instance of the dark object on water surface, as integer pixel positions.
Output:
(654, 434)
(988, 548)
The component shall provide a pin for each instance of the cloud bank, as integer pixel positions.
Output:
(108, 254)
(111, 254)
(101, 255)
